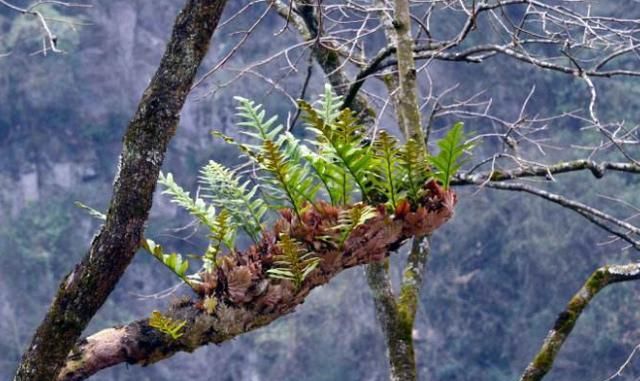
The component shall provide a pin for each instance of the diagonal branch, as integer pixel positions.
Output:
(239, 295)
(592, 214)
(566, 321)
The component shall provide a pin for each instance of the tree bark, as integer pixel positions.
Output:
(567, 319)
(86, 288)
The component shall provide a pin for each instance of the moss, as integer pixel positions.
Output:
(597, 281)
(544, 360)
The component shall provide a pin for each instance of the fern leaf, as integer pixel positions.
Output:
(222, 234)
(289, 181)
(92, 212)
(167, 325)
(447, 162)
(173, 261)
(223, 189)
(349, 219)
(388, 171)
(294, 264)
(196, 207)
(414, 168)
(342, 143)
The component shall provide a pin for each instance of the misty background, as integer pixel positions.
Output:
(499, 272)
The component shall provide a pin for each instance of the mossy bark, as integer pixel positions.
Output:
(86, 288)
(567, 319)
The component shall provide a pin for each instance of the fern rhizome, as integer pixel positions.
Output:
(332, 200)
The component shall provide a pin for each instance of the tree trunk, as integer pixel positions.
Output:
(86, 288)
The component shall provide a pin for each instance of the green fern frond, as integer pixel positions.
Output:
(414, 168)
(388, 173)
(222, 187)
(330, 104)
(294, 264)
(288, 180)
(254, 120)
(351, 218)
(167, 325)
(223, 234)
(196, 207)
(447, 162)
(342, 143)
(92, 212)
(335, 180)
(173, 261)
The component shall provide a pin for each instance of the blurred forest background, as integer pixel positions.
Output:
(499, 273)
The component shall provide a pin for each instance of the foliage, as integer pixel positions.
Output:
(224, 190)
(353, 217)
(447, 161)
(92, 212)
(222, 231)
(222, 234)
(388, 172)
(414, 167)
(288, 180)
(173, 261)
(167, 325)
(294, 263)
(196, 207)
(288, 173)
(342, 144)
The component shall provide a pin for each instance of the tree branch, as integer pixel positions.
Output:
(239, 296)
(566, 321)
(86, 288)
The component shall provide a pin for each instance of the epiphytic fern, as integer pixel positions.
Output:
(167, 325)
(223, 234)
(447, 162)
(222, 231)
(388, 171)
(342, 143)
(288, 178)
(414, 168)
(196, 207)
(294, 263)
(353, 217)
(172, 261)
(222, 187)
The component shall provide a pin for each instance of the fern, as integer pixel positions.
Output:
(447, 162)
(330, 105)
(278, 154)
(196, 207)
(223, 234)
(341, 143)
(167, 325)
(223, 189)
(294, 264)
(350, 219)
(92, 212)
(388, 174)
(173, 261)
(414, 168)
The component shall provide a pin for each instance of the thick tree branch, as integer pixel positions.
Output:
(566, 321)
(239, 296)
(86, 288)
